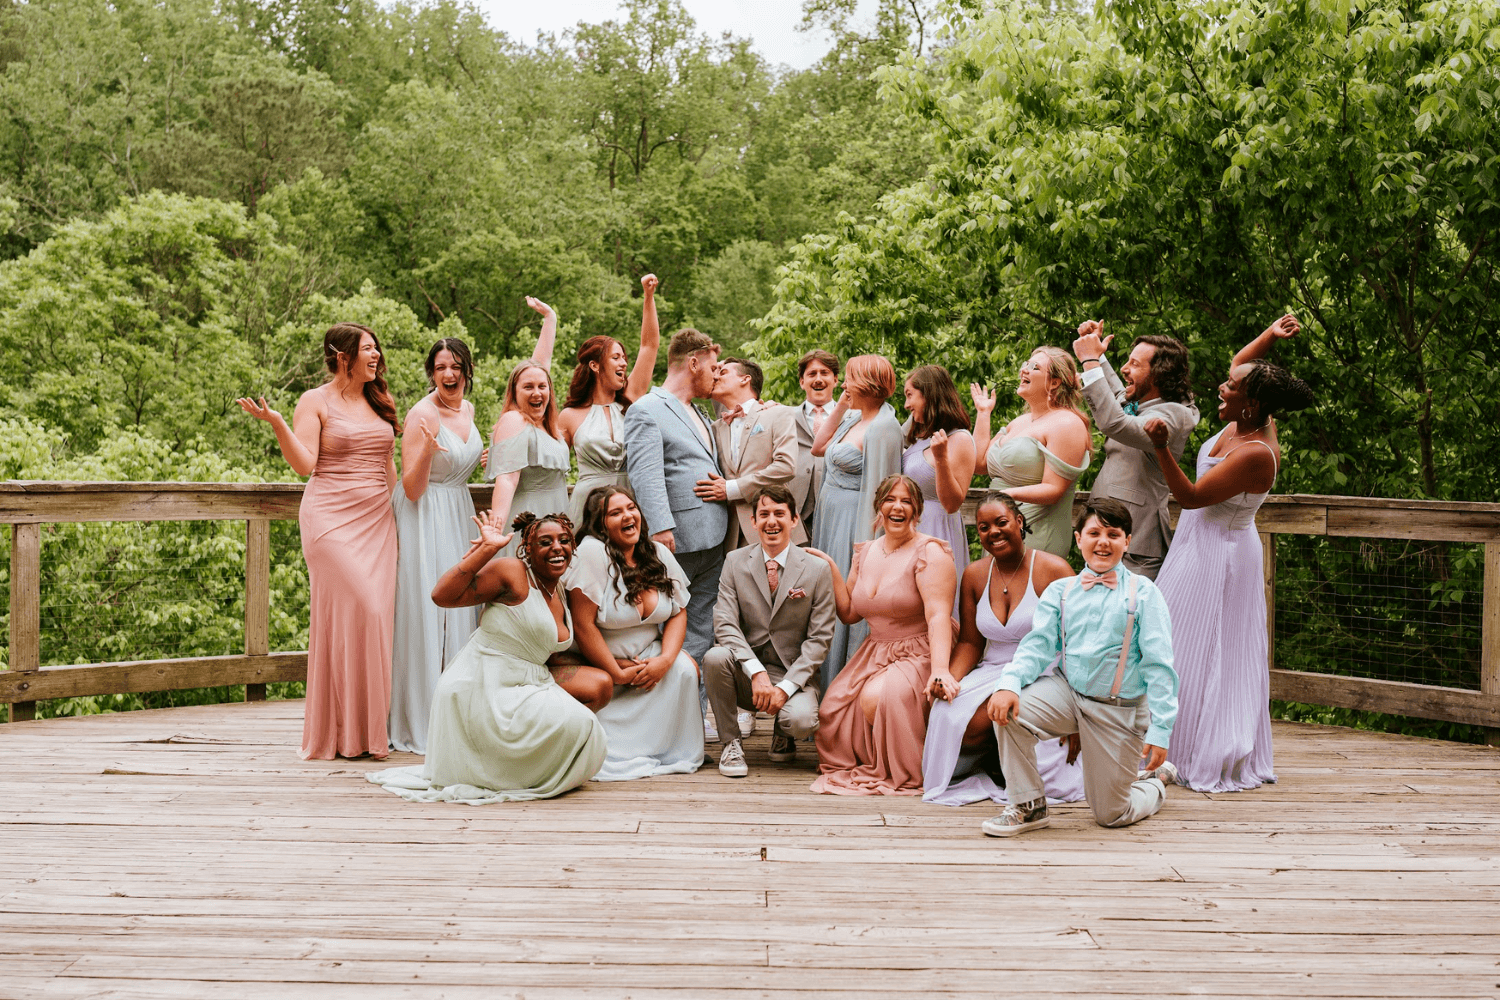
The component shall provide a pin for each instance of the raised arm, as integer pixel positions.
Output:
(984, 409)
(419, 444)
(1286, 326)
(843, 604)
(936, 581)
(547, 339)
(479, 577)
(639, 382)
(1248, 468)
(830, 426)
(299, 443)
(952, 460)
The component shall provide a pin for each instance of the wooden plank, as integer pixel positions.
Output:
(257, 596)
(1292, 518)
(25, 610)
(150, 675)
(1425, 524)
(1474, 708)
(37, 503)
(1489, 657)
(1268, 570)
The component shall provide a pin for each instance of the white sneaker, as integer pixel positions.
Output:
(732, 761)
(1018, 819)
(747, 723)
(710, 729)
(1166, 774)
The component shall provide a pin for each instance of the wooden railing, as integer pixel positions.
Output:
(28, 505)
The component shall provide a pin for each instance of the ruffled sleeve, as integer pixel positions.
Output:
(511, 454)
(680, 594)
(1062, 468)
(590, 572)
(924, 552)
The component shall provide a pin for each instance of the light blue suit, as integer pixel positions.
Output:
(666, 456)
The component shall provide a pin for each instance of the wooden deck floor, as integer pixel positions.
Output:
(189, 853)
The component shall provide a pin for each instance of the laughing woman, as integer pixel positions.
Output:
(528, 459)
(439, 451)
(629, 601)
(343, 438)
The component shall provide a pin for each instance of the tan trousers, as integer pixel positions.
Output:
(729, 688)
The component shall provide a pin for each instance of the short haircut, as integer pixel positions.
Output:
(776, 493)
(1171, 368)
(757, 377)
(822, 357)
(871, 376)
(685, 343)
(1111, 513)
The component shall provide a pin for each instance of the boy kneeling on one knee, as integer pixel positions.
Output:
(1115, 686)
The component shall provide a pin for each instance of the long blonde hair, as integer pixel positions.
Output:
(1068, 394)
(549, 415)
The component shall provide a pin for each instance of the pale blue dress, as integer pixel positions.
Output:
(433, 535)
(502, 729)
(846, 510)
(543, 461)
(659, 731)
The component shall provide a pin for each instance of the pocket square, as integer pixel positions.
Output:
(795, 593)
(756, 429)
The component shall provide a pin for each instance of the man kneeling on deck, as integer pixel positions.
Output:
(1116, 687)
(772, 625)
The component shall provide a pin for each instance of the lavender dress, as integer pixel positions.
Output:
(936, 521)
(1214, 585)
(943, 757)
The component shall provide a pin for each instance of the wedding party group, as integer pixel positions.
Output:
(806, 561)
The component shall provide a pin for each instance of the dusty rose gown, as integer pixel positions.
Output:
(349, 541)
(855, 757)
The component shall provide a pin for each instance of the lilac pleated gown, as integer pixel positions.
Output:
(1214, 584)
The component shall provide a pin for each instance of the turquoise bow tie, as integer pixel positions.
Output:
(1133, 408)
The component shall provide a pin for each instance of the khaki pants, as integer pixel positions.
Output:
(1112, 737)
(729, 688)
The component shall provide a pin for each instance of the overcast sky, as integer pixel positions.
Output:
(771, 23)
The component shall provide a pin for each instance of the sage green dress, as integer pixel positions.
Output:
(542, 460)
(501, 730)
(1016, 460)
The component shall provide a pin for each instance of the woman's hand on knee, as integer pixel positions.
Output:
(1003, 707)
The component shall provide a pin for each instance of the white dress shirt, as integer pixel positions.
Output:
(737, 431)
(753, 665)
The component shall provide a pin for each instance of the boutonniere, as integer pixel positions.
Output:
(795, 593)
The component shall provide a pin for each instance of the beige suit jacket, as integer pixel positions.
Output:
(809, 477)
(767, 454)
(748, 618)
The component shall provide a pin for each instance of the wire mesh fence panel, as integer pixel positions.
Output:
(1389, 609)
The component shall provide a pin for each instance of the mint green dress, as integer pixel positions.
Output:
(501, 729)
(1016, 460)
(543, 461)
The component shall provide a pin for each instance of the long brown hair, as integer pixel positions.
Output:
(942, 410)
(595, 350)
(1069, 392)
(649, 572)
(343, 339)
(549, 415)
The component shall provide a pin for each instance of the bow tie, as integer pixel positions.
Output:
(1088, 578)
(1133, 408)
(730, 416)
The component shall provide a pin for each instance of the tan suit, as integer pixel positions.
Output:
(787, 633)
(767, 454)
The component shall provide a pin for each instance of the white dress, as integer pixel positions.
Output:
(502, 730)
(432, 536)
(659, 731)
(599, 444)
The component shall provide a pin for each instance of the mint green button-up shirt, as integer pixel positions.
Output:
(1096, 628)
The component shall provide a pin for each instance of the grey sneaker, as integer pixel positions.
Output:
(747, 723)
(710, 730)
(1166, 774)
(1018, 819)
(732, 761)
(783, 748)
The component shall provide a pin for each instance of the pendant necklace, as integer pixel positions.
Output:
(1005, 587)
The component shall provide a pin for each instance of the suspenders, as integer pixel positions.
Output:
(1130, 606)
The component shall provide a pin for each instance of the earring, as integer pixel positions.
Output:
(1245, 414)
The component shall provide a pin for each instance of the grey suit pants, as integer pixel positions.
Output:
(1112, 738)
(729, 689)
(702, 568)
(1147, 566)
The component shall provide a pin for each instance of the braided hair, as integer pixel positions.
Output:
(526, 524)
(1276, 389)
(1009, 502)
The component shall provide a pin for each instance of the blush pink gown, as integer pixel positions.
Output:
(349, 541)
(854, 756)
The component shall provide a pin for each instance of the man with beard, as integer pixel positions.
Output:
(1154, 382)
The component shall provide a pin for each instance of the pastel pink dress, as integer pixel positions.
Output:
(854, 756)
(349, 542)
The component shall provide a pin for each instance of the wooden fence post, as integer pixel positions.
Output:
(1268, 568)
(1489, 655)
(257, 596)
(25, 608)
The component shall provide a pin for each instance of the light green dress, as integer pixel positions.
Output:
(599, 443)
(501, 729)
(542, 460)
(1016, 460)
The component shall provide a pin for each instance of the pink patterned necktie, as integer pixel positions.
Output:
(773, 574)
(1088, 578)
(818, 416)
